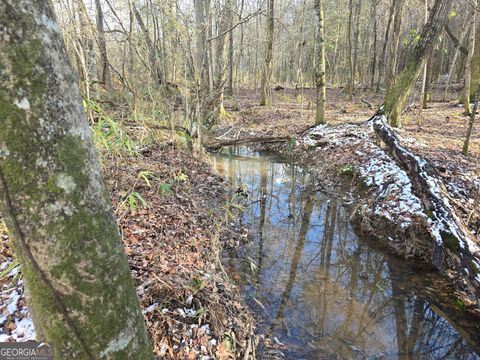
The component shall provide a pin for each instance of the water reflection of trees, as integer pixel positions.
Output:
(325, 290)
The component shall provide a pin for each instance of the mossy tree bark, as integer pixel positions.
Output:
(399, 92)
(52, 196)
(466, 143)
(320, 77)
(475, 73)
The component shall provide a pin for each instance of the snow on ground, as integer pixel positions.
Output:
(395, 199)
(15, 321)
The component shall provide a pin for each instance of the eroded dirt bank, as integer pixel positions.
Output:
(173, 211)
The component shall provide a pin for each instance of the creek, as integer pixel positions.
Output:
(319, 289)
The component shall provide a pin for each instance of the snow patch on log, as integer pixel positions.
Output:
(403, 189)
(445, 224)
(394, 199)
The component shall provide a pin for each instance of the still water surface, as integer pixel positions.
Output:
(322, 290)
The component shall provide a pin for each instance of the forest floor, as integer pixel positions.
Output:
(175, 214)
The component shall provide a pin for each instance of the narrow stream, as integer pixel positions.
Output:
(322, 290)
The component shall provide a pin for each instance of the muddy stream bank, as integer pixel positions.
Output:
(321, 290)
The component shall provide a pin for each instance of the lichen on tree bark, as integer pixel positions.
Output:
(81, 293)
(399, 92)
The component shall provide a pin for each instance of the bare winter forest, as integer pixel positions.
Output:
(240, 179)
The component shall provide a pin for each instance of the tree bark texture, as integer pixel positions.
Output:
(52, 195)
(468, 64)
(399, 92)
(320, 76)
(104, 66)
(267, 70)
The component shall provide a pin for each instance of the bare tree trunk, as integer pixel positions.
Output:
(86, 51)
(475, 73)
(209, 45)
(267, 71)
(424, 93)
(351, 79)
(333, 74)
(80, 289)
(471, 123)
(394, 44)
(356, 34)
(383, 60)
(152, 51)
(398, 93)
(320, 76)
(428, 82)
(238, 71)
(219, 80)
(468, 64)
(455, 57)
(104, 66)
(373, 64)
(230, 50)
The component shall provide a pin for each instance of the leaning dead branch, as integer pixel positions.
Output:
(216, 144)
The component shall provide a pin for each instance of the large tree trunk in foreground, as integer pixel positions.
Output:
(320, 76)
(267, 70)
(454, 246)
(399, 92)
(52, 196)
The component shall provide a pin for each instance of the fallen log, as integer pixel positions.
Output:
(455, 248)
(215, 144)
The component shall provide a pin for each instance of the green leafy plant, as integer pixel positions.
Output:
(459, 304)
(291, 144)
(9, 268)
(146, 176)
(195, 285)
(346, 170)
(165, 189)
(181, 178)
(230, 206)
(108, 134)
(133, 200)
